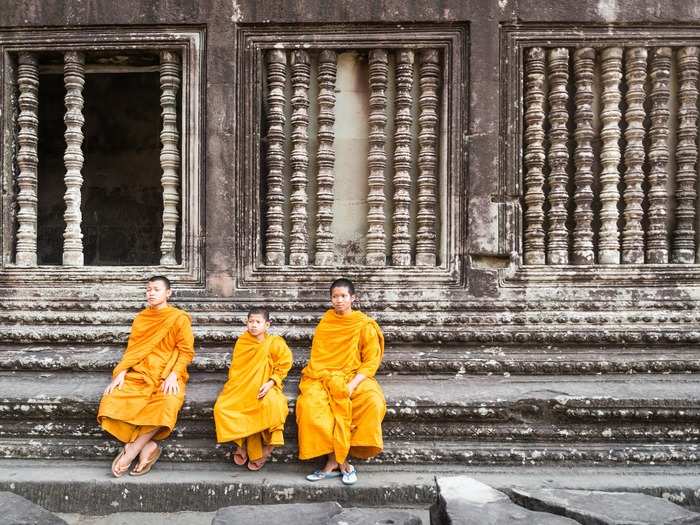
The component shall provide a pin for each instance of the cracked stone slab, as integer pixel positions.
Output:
(375, 517)
(463, 501)
(16, 510)
(291, 514)
(593, 507)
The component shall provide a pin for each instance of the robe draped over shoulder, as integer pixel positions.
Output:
(330, 420)
(160, 342)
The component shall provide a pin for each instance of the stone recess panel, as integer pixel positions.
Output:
(375, 517)
(16, 510)
(291, 514)
(593, 507)
(464, 501)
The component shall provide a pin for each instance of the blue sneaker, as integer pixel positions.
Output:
(321, 475)
(350, 477)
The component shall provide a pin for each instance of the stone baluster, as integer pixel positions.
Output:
(401, 239)
(169, 153)
(27, 159)
(657, 234)
(426, 217)
(686, 157)
(584, 62)
(276, 80)
(299, 160)
(534, 157)
(327, 70)
(557, 234)
(376, 235)
(633, 233)
(609, 237)
(74, 80)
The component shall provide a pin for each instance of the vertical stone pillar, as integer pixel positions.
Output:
(533, 245)
(327, 71)
(657, 235)
(584, 61)
(557, 234)
(376, 235)
(298, 241)
(27, 159)
(401, 239)
(276, 79)
(169, 153)
(609, 237)
(426, 217)
(74, 79)
(632, 233)
(686, 157)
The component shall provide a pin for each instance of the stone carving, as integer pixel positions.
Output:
(327, 68)
(657, 237)
(584, 61)
(534, 157)
(426, 217)
(74, 79)
(298, 238)
(633, 234)
(557, 234)
(376, 235)
(609, 238)
(401, 239)
(686, 157)
(169, 153)
(27, 159)
(276, 79)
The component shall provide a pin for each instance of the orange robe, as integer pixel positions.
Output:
(328, 419)
(238, 414)
(161, 342)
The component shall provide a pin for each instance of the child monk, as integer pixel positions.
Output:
(251, 408)
(340, 405)
(140, 406)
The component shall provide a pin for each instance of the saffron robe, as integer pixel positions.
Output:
(161, 342)
(238, 415)
(329, 420)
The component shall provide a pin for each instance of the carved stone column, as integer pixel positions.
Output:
(376, 235)
(327, 70)
(401, 239)
(427, 215)
(276, 79)
(298, 240)
(533, 244)
(74, 79)
(609, 237)
(584, 61)
(27, 159)
(169, 153)
(632, 233)
(557, 234)
(686, 156)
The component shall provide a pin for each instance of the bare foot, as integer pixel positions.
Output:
(240, 456)
(146, 455)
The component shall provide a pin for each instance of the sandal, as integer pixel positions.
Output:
(239, 457)
(119, 473)
(257, 464)
(146, 466)
(350, 477)
(321, 475)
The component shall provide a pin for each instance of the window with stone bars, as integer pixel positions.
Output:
(356, 158)
(99, 161)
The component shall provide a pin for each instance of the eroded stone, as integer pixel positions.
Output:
(291, 514)
(375, 517)
(16, 510)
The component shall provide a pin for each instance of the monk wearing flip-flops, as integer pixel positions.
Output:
(251, 408)
(141, 404)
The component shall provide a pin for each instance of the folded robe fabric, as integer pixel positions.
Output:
(238, 414)
(160, 342)
(329, 419)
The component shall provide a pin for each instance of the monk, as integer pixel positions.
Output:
(340, 405)
(251, 408)
(140, 406)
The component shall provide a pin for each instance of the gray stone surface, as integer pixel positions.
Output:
(375, 517)
(593, 507)
(465, 501)
(16, 510)
(141, 518)
(289, 514)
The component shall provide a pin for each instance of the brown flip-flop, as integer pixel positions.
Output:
(148, 465)
(239, 458)
(115, 462)
(257, 464)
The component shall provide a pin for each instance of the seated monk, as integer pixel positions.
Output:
(251, 408)
(140, 406)
(340, 405)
